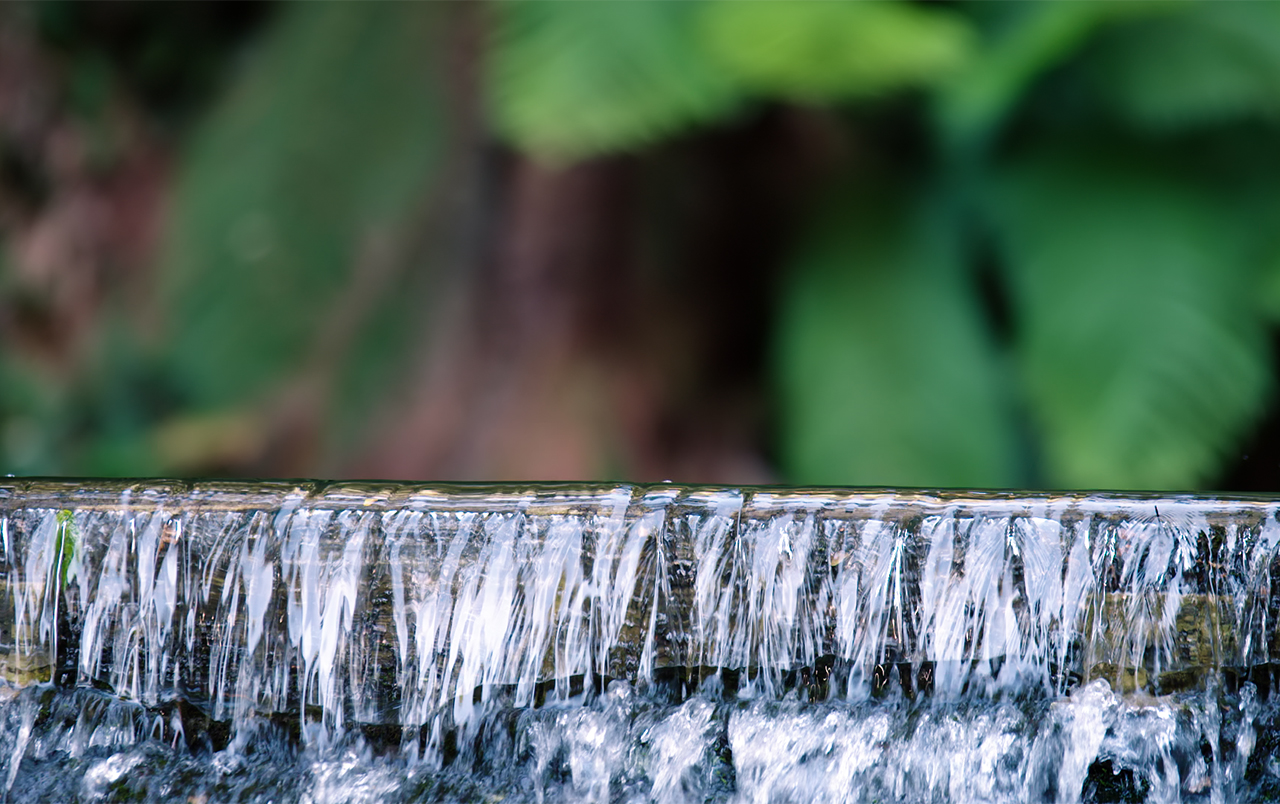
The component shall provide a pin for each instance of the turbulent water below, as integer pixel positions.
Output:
(279, 642)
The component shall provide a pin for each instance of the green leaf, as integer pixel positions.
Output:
(1206, 65)
(1030, 39)
(327, 143)
(821, 50)
(574, 79)
(1142, 352)
(886, 373)
(66, 558)
(1269, 283)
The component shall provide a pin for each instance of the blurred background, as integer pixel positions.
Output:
(922, 244)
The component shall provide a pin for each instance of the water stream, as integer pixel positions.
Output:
(300, 642)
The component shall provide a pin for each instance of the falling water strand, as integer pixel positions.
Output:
(372, 642)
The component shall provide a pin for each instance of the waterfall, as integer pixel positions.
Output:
(318, 642)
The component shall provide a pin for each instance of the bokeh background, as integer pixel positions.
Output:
(925, 244)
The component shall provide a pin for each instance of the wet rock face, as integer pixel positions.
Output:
(427, 622)
(1132, 644)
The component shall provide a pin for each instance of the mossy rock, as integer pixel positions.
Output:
(1123, 631)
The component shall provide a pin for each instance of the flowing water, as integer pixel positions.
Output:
(281, 642)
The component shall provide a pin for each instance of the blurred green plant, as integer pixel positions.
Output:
(1137, 347)
(569, 79)
(1207, 65)
(275, 274)
(880, 326)
(1051, 260)
(819, 51)
(284, 187)
(1142, 353)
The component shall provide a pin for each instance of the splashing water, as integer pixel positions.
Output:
(382, 643)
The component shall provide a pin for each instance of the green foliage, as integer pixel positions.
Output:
(573, 79)
(832, 51)
(1269, 286)
(1117, 155)
(886, 372)
(1028, 40)
(327, 143)
(1206, 65)
(1138, 350)
(33, 420)
(1142, 353)
(569, 80)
